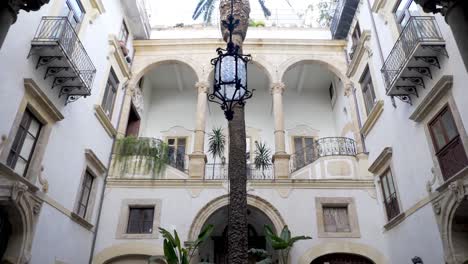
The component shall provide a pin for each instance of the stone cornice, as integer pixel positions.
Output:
(378, 4)
(263, 184)
(7, 173)
(98, 5)
(372, 117)
(358, 53)
(116, 51)
(381, 160)
(35, 93)
(95, 161)
(105, 121)
(430, 100)
(249, 42)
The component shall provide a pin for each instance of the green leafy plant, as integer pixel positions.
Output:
(260, 256)
(282, 243)
(216, 143)
(253, 23)
(140, 154)
(206, 8)
(173, 250)
(262, 157)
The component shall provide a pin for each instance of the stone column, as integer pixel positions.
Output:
(9, 10)
(280, 158)
(198, 158)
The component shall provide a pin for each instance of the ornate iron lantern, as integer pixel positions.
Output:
(230, 74)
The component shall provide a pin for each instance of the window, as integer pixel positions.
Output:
(304, 151)
(331, 91)
(336, 219)
(85, 194)
(403, 12)
(110, 93)
(24, 143)
(368, 90)
(140, 220)
(356, 36)
(74, 11)
(176, 152)
(123, 36)
(389, 194)
(447, 143)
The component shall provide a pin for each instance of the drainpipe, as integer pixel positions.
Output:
(101, 200)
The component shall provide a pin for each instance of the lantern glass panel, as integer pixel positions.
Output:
(225, 76)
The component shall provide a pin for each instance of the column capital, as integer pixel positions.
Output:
(202, 87)
(348, 88)
(278, 87)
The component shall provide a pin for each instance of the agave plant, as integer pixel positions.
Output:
(282, 243)
(206, 7)
(262, 157)
(216, 143)
(173, 250)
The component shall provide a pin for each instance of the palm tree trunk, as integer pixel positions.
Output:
(237, 167)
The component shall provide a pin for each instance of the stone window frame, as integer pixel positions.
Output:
(98, 170)
(37, 102)
(439, 97)
(382, 164)
(121, 232)
(350, 203)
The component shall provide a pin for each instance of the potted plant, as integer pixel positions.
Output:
(123, 47)
(262, 157)
(216, 143)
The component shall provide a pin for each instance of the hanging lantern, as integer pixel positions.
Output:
(230, 75)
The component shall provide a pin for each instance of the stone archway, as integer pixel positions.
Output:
(344, 247)
(450, 210)
(342, 258)
(335, 66)
(257, 202)
(128, 252)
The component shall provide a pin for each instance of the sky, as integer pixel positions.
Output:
(172, 12)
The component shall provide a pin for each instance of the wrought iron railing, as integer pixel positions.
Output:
(336, 16)
(61, 31)
(418, 29)
(219, 171)
(328, 146)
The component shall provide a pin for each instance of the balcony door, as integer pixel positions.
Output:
(304, 151)
(176, 152)
(404, 11)
(74, 12)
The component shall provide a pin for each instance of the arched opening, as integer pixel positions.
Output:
(130, 259)
(342, 258)
(167, 94)
(459, 232)
(258, 119)
(215, 250)
(5, 232)
(314, 108)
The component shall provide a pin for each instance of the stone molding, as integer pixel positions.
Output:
(378, 4)
(93, 160)
(98, 5)
(372, 117)
(343, 247)
(124, 249)
(278, 87)
(34, 92)
(105, 121)
(381, 162)
(430, 100)
(350, 204)
(202, 87)
(121, 232)
(358, 53)
(20, 199)
(211, 207)
(117, 53)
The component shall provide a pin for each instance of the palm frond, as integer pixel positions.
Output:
(262, 156)
(216, 142)
(206, 8)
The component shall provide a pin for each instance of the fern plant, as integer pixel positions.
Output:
(262, 157)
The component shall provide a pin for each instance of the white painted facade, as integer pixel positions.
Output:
(299, 65)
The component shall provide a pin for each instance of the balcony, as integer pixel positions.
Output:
(416, 53)
(219, 171)
(343, 17)
(61, 54)
(323, 147)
